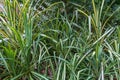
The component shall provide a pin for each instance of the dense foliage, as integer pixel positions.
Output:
(60, 40)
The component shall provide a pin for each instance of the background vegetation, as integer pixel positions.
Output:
(60, 40)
